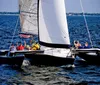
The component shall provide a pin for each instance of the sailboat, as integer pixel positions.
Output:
(90, 55)
(53, 35)
(7, 57)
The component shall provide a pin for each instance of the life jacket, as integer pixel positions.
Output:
(35, 46)
(87, 47)
(20, 47)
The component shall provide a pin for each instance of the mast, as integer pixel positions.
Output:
(52, 24)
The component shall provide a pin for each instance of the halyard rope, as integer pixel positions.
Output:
(86, 23)
(14, 32)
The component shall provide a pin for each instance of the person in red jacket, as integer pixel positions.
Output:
(20, 47)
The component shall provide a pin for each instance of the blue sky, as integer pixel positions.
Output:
(9, 6)
(90, 6)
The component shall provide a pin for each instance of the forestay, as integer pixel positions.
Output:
(53, 29)
(28, 16)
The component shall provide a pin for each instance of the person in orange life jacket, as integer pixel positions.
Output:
(20, 47)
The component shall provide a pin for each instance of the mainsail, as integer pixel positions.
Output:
(52, 24)
(28, 16)
(53, 29)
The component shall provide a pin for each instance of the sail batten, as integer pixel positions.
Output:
(28, 12)
(53, 29)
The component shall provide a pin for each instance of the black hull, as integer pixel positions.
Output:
(90, 59)
(16, 57)
(13, 61)
(48, 60)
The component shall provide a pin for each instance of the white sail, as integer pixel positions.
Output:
(9, 6)
(53, 27)
(28, 11)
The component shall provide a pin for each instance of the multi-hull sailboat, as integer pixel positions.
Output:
(90, 55)
(51, 27)
(53, 34)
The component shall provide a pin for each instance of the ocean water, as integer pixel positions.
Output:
(82, 74)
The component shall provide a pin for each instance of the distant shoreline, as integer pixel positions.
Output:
(10, 14)
(69, 14)
(80, 14)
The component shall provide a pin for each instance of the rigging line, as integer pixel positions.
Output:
(14, 31)
(86, 23)
(31, 22)
(30, 8)
(28, 12)
(24, 5)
